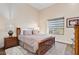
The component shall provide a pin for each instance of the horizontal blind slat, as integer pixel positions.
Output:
(56, 25)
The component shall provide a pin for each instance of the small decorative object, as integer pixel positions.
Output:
(10, 32)
(70, 22)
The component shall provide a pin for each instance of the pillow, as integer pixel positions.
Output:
(24, 31)
(35, 32)
(27, 32)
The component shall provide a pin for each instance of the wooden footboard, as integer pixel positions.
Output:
(45, 46)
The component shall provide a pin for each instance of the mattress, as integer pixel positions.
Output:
(32, 41)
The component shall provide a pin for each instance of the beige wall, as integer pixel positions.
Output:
(2, 31)
(26, 16)
(22, 15)
(59, 10)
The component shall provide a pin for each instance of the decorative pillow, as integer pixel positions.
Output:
(27, 32)
(35, 32)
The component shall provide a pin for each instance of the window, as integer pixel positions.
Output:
(56, 26)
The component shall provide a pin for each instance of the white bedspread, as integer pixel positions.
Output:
(33, 40)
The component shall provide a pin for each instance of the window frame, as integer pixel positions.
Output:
(59, 18)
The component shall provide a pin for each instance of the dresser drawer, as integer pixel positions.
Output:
(10, 42)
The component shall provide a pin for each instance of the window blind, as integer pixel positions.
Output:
(56, 26)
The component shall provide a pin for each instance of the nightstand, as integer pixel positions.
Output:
(10, 42)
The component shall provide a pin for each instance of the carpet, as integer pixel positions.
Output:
(57, 49)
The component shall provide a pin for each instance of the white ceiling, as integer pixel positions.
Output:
(41, 6)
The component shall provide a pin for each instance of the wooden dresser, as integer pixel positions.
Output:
(10, 42)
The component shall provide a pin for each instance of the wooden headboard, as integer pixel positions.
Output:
(18, 31)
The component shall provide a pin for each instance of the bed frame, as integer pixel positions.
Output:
(44, 46)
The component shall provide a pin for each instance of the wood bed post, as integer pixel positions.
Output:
(18, 31)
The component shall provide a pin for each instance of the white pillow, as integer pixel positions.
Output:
(27, 32)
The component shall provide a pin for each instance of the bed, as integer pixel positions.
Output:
(38, 44)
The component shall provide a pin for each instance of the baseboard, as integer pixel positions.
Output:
(63, 42)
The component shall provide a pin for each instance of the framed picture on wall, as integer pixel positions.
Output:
(70, 22)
